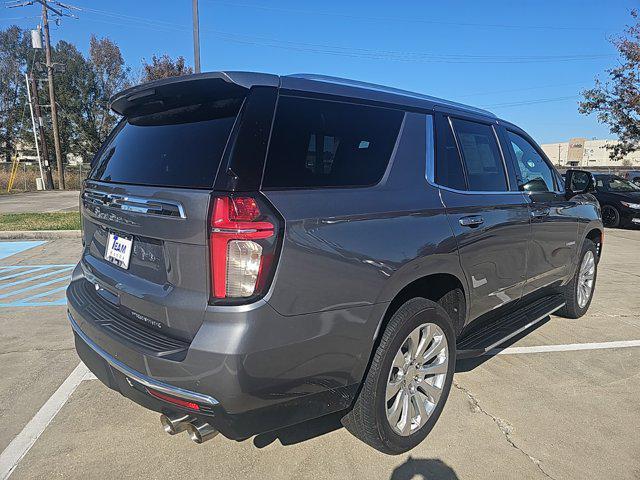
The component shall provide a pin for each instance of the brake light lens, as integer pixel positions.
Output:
(242, 243)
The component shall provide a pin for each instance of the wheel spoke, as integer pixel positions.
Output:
(399, 360)
(405, 419)
(420, 400)
(433, 369)
(432, 391)
(436, 347)
(414, 343)
(393, 387)
(393, 414)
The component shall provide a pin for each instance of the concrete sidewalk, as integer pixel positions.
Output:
(40, 202)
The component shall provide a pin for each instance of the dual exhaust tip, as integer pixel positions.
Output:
(198, 430)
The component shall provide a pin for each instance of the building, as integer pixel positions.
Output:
(580, 152)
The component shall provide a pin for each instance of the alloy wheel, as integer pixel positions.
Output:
(416, 379)
(586, 278)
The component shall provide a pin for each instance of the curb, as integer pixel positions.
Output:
(39, 234)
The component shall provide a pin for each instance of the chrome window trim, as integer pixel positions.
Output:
(430, 163)
(143, 205)
(139, 377)
(431, 149)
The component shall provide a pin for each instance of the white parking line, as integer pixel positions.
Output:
(22, 443)
(571, 347)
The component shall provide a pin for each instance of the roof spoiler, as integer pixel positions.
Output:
(168, 93)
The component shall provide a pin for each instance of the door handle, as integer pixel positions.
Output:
(471, 221)
(540, 212)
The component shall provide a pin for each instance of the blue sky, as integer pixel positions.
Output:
(526, 61)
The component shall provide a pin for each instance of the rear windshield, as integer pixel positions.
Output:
(318, 143)
(177, 148)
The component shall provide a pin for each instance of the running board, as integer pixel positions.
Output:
(480, 340)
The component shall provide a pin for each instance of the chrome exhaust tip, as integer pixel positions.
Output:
(175, 423)
(200, 431)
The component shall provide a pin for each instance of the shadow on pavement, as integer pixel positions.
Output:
(423, 469)
(301, 432)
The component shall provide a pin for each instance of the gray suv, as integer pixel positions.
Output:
(261, 250)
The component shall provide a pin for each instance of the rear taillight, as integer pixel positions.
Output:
(243, 242)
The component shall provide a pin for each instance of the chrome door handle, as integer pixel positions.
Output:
(471, 221)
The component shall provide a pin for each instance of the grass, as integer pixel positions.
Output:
(40, 221)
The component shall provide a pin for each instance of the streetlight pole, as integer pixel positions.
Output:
(196, 36)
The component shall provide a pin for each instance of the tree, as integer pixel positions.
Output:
(15, 56)
(616, 101)
(164, 67)
(84, 89)
(111, 76)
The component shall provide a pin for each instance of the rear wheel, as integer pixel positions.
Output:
(610, 216)
(579, 291)
(409, 380)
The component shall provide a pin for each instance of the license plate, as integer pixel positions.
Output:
(118, 250)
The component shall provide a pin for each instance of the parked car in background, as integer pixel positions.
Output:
(263, 250)
(619, 200)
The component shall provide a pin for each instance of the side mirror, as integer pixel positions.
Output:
(578, 181)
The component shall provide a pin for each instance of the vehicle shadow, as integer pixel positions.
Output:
(302, 431)
(469, 364)
(423, 469)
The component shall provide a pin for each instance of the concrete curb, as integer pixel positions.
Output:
(39, 234)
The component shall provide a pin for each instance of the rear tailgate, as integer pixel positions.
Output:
(165, 285)
(151, 184)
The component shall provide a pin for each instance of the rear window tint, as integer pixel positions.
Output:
(179, 148)
(319, 143)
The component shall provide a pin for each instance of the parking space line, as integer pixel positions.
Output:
(23, 442)
(37, 277)
(38, 285)
(571, 347)
(24, 272)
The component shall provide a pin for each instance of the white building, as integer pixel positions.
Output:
(580, 152)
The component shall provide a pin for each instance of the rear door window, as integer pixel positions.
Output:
(178, 148)
(317, 143)
(481, 155)
(534, 175)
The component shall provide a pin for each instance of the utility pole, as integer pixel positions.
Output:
(196, 36)
(52, 96)
(43, 139)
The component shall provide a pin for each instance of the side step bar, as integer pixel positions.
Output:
(480, 340)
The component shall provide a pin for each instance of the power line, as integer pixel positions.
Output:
(524, 89)
(351, 52)
(408, 20)
(532, 102)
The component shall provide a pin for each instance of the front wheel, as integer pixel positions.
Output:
(408, 381)
(610, 216)
(579, 291)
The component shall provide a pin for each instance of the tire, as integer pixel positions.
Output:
(610, 216)
(575, 305)
(368, 419)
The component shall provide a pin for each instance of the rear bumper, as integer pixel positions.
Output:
(138, 377)
(251, 370)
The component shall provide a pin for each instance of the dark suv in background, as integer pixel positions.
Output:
(263, 250)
